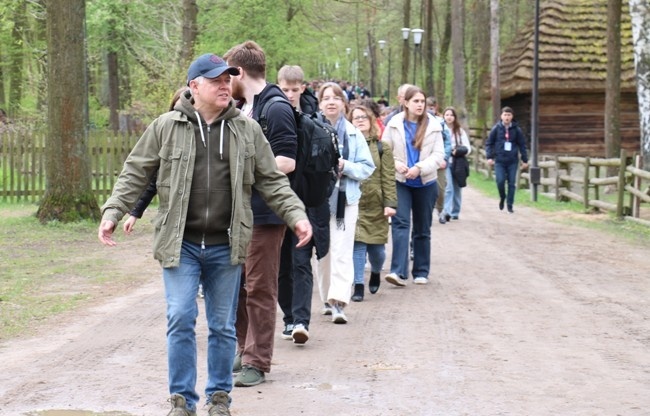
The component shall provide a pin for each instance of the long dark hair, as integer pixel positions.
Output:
(455, 126)
(421, 120)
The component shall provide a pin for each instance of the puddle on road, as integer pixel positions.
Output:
(75, 413)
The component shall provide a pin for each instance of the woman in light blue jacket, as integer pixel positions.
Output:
(336, 269)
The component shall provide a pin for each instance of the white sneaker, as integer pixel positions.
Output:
(338, 317)
(394, 279)
(420, 280)
(300, 334)
(327, 309)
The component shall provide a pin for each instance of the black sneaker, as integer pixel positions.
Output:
(288, 330)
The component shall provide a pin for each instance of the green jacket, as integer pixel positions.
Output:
(168, 146)
(377, 192)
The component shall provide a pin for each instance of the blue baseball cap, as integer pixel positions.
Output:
(209, 66)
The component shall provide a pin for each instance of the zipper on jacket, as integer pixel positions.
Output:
(207, 194)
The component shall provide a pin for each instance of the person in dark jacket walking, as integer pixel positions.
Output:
(259, 293)
(296, 278)
(504, 144)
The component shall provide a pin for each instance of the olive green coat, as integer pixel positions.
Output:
(377, 192)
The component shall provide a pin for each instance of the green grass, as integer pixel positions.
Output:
(48, 269)
(605, 222)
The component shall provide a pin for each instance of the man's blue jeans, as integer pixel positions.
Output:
(416, 203)
(508, 172)
(376, 257)
(220, 280)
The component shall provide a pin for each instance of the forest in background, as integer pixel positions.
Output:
(138, 50)
(101, 64)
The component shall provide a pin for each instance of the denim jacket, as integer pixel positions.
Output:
(358, 166)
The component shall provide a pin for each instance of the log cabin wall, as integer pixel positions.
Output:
(574, 124)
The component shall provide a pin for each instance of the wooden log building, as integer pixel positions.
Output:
(572, 77)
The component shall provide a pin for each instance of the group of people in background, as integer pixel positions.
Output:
(229, 223)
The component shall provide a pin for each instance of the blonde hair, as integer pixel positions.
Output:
(337, 90)
(291, 74)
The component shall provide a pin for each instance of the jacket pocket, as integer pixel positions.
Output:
(249, 165)
(170, 165)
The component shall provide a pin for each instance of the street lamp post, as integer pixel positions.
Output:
(405, 54)
(417, 41)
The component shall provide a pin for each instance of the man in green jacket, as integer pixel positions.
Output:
(208, 157)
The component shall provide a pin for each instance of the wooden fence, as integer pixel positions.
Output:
(582, 179)
(585, 180)
(23, 163)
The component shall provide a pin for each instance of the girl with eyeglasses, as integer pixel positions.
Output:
(378, 203)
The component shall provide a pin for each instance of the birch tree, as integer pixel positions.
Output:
(640, 13)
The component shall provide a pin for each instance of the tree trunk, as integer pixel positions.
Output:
(444, 56)
(41, 37)
(2, 82)
(429, 88)
(190, 32)
(613, 87)
(458, 60)
(372, 55)
(482, 33)
(405, 47)
(17, 69)
(113, 90)
(640, 12)
(494, 59)
(68, 192)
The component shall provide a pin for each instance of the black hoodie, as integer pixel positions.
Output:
(282, 136)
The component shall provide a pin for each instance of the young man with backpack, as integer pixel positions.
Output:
(296, 280)
(258, 295)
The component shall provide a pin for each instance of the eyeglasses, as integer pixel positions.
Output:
(359, 118)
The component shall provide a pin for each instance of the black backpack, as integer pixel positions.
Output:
(317, 158)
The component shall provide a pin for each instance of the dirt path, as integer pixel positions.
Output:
(523, 316)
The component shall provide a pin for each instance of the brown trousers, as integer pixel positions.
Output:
(258, 297)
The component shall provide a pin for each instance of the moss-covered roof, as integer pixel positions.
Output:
(572, 50)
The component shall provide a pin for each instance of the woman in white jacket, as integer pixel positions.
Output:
(415, 138)
(460, 148)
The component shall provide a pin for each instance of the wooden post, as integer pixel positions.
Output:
(635, 200)
(557, 178)
(621, 185)
(586, 184)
